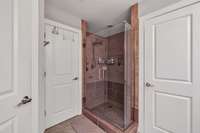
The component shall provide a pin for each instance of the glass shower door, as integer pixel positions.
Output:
(96, 70)
(128, 78)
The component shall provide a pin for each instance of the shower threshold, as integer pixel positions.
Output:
(108, 126)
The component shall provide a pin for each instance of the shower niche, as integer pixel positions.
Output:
(108, 75)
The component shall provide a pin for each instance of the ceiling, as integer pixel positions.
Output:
(98, 13)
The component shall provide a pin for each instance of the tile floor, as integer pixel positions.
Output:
(110, 113)
(79, 124)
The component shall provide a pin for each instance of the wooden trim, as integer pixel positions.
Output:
(134, 17)
(135, 115)
(84, 29)
(135, 28)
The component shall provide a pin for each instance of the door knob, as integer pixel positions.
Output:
(25, 100)
(76, 78)
(147, 84)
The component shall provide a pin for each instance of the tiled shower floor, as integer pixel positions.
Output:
(110, 113)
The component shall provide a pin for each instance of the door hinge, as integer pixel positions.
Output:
(45, 113)
(45, 74)
(45, 43)
(44, 35)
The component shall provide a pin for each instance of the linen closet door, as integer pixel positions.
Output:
(172, 72)
(62, 71)
(15, 66)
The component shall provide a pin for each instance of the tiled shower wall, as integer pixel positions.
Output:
(95, 85)
(116, 71)
(95, 94)
(110, 89)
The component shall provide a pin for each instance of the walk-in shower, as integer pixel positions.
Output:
(108, 75)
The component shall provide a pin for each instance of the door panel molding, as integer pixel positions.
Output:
(183, 66)
(9, 126)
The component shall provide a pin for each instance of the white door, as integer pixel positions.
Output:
(62, 74)
(172, 72)
(15, 66)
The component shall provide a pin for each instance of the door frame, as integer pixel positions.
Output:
(37, 41)
(142, 21)
(38, 95)
(54, 23)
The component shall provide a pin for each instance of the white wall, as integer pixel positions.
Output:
(148, 6)
(58, 15)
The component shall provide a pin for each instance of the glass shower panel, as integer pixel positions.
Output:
(128, 78)
(115, 111)
(108, 75)
(96, 49)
